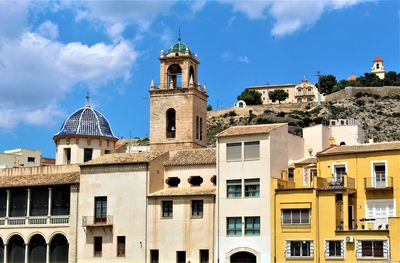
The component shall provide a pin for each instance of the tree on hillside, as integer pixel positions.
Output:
(209, 107)
(251, 97)
(278, 95)
(326, 83)
(369, 80)
(392, 79)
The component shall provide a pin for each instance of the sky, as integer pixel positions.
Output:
(52, 53)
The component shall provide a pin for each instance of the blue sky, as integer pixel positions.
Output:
(53, 53)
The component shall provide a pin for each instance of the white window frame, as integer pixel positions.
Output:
(288, 251)
(326, 248)
(359, 248)
(373, 172)
(291, 219)
(338, 164)
(373, 202)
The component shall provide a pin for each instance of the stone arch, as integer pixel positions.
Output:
(37, 248)
(170, 123)
(57, 233)
(59, 248)
(234, 251)
(174, 74)
(28, 239)
(16, 249)
(6, 240)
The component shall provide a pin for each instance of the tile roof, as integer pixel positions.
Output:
(184, 191)
(249, 129)
(361, 148)
(193, 157)
(124, 158)
(308, 160)
(39, 179)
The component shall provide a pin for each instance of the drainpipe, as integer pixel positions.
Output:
(76, 222)
(318, 251)
(218, 197)
(146, 217)
(274, 211)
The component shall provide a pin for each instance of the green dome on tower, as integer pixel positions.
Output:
(178, 47)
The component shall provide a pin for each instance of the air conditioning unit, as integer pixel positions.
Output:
(349, 239)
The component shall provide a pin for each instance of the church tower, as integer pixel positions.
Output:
(378, 68)
(178, 106)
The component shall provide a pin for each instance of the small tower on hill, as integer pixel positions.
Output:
(378, 68)
(178, 106)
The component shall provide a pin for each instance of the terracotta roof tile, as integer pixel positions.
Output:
(361, 148)
(184, 191)
(39, 179)
(193, 157)
(378, 59)
(124, 158)
(309, 160)
(249, 129)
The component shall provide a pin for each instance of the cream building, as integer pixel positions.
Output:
(20, 158)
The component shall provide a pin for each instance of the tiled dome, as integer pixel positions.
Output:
(177, 47)
(86, 121)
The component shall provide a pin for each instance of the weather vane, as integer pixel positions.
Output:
(87, 98)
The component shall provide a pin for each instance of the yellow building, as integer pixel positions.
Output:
(340, 206)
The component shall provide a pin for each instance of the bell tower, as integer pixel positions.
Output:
(378, 68)
(178, 106)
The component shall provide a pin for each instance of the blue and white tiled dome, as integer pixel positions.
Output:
(86, 121)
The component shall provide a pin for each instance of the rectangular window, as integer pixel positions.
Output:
(291, 174)
(201, 129)
(299, 249)
(372, 249)
(334, 248)
(98, 246)
(100, 209)
(233, 152)
(60, 200)
(251, 150)
(295, 216)
(167, 209)
(234, 226)
(233, 188)
(31, 159)
(18, 202)
(252, 226)
(39, 202)
(204, 256)
(154, 256)
(3, 203)
(197, 127)
(107, 151)
(379, 175)
(67, 155)
(121, 246)
(252, 187)
(87, 154)
(180, 256)
(197, 208)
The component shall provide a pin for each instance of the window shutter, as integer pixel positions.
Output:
(287, 249)
(252, 150)
(311, 248)
(234, 151)
(385, 249)
(326, 249)
(359, 248)
(342, 248)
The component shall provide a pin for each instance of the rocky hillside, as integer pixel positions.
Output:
(379, 116)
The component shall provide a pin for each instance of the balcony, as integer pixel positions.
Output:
(329, 183)
(378, 183)
(91, 221)
(9, 222)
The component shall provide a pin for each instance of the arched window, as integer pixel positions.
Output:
(174, 76)
(377, 65)
(171, 127)
(59, 249)
(37, 249)
(16, 249)
(191, 75)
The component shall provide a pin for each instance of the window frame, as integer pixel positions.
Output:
(97, 246)
(237, 231)
(101, 216)
(255, 158)
(154, 256)
(291, 217)
(288, 253)
(234, 183)
(253, 229)
(199, 206)
(233, 144)
(327, 248)
(170, 208)
(359, 248)
(252, 182)
(121, 240)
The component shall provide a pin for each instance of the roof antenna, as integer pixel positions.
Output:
(87, 99)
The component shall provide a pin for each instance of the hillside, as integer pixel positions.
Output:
(379, 116)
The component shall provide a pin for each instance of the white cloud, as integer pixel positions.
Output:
(289, 16)
(227, 56)
(48, 30)
(13, 17)
(244, 59)
(36, 72)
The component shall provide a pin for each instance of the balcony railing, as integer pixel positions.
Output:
(33, 220)
(283, 184)
(378, 183)
(336, 183)
(91, 221)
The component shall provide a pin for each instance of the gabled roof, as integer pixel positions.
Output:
(39, 179)
(249, 129)
(361, 148)
(193, 157)
(124, 158)
(184, 191)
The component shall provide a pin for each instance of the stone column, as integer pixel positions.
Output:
(7, 207)
(28, 206)
(26, 253)
(5, 252)
(49, 205)
(47, 252)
